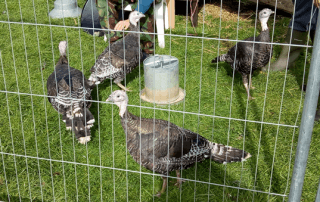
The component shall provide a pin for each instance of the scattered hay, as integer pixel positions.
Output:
(215, 11)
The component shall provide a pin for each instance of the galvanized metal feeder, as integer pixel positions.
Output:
(161, 74)
(65, 9)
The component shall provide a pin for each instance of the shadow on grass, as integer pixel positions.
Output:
(298, 69)
(200, 191)
(264, 146)
(250, 140)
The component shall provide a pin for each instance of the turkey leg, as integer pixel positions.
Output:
(122, 87)
(164, 186)
(179, 180)
(246, 85)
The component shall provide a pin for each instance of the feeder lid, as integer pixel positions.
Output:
(160, 61)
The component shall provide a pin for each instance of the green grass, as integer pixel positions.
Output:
(36, 129)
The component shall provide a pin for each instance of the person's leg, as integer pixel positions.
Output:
(289, 54)
(299, 27)
(147, 26)
(109, 17)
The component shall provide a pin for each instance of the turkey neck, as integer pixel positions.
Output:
(135, 29)
(129, 124)
(123, 108)
(265, 35)
(126, 118)
(264, 24)
(62, 60)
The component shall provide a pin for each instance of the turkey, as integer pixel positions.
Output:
(240, 56)
(67, 87)
(185, 147)
(121, 57)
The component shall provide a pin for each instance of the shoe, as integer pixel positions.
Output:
(298, 37)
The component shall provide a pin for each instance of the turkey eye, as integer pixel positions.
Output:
(118, 96)
(265, 13)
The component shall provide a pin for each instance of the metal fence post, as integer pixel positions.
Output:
(306, 126)
(318, 193)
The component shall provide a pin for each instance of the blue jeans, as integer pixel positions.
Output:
(304, 11)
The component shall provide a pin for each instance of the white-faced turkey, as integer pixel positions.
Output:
(162, 155)
(121, 57)
(245, 55)
(67, 88)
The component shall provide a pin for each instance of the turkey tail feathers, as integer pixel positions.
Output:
(94, 79)
(63, 48)
(63, 53)
(220, 58)
(80, 125)
(226, 154)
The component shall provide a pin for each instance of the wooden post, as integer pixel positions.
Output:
(171, 13)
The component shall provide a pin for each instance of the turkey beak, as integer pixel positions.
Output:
(142, 15)
(109, 99)
(272, 12)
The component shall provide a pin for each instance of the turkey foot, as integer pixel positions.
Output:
(179, 181)
(164, 185)
(123, 87)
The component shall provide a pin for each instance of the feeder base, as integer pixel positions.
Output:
(178, 99)
(65, 9)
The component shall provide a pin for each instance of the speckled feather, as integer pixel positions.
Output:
(64, 84)
(119, 59)
(61, 75)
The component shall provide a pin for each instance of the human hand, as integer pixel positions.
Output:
(316, 3)
(123, 24)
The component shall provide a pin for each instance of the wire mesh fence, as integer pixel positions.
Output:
(42, 161)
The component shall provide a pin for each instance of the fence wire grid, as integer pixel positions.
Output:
(42, 161)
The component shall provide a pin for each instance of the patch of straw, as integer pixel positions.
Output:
(215, 11)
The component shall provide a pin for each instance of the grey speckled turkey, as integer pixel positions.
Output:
(240, 56)
(121, 57)
(185, 147)
(65, 85)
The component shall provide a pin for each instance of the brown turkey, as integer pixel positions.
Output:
(182, 150)
(244, 54)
